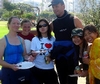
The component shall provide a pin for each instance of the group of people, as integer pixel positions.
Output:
(65, 50)
(88, 41)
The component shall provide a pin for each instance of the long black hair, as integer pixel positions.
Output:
(84, 45)
(48, 31)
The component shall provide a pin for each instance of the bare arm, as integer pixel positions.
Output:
(77, 22)
(2, 48)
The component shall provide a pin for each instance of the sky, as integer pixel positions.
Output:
(41, 0)
(68, 5)
(34, 0)
(38, 1)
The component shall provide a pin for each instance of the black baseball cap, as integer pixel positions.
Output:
(55, 2)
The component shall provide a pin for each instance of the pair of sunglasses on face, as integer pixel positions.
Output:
(44, 25)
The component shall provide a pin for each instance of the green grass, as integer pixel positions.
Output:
(3, 28)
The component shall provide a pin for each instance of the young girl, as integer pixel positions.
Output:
(91, 35)
(26, 30)
(41, 45)
(78, 39)
(26, 33)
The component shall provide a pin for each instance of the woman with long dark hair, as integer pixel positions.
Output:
(41, 45)
(78, 40)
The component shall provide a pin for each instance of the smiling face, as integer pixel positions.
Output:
(43, 27)
(26, 27)
(58, 9)
(77, 40)
(90, 36)
(14, 24)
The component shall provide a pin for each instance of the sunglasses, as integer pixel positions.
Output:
(44, 25)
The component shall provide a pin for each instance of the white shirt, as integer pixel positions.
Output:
(42, 44)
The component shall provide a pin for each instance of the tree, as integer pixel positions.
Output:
(25, 7)
(17, 13)
(2, 11)
(48, 15)
(6, 15)
(30, 16)
(90, 12)
(8, 6)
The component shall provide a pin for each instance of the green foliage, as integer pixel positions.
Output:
(6, 15)
(25, 7)
(8, 6)
(16, 12)
(48, 15)
(90, 12)
(29, 16)
(2, 11)
(22, 10)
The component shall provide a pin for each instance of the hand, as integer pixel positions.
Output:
(75, 72)
(31, 58)
(34, 54)
(86, 60)
(83, 73)
(48, 58)
(14, 67)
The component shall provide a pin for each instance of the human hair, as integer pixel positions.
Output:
(48, 31)
(25, 21)
(84, 45)
(91, 28)
(10, 19)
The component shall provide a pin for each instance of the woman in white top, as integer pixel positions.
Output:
(41, 45)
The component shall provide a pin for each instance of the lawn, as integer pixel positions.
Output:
(3, 28)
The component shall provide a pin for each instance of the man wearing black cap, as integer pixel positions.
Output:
(64, 50)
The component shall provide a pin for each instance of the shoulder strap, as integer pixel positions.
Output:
(6, 39)
(20, 39)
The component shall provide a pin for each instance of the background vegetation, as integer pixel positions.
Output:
(23, 10)
(87, 10)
